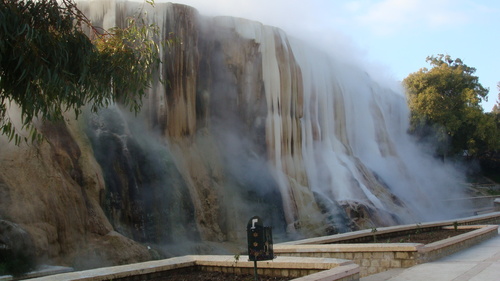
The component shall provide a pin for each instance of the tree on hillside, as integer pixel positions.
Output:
(496, 107)
(50, 63)
(495, 112)
(445, 103)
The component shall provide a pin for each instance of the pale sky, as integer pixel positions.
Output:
(394, 35)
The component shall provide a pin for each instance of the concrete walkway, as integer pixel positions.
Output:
(478, 263)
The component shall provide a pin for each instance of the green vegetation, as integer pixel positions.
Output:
(496, 107)
(445, 107)
(53, 60)
(493, 192)
(374, 231)
(419, 228)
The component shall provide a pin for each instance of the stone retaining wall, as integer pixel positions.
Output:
(384, 232)
(303, 269)
(378, 257)
(491, 218)
(372, 258)
(439, 249)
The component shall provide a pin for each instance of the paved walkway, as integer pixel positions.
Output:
(478, 263)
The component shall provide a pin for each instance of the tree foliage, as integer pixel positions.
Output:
(496, 107)
(49, 64)
(445, 102)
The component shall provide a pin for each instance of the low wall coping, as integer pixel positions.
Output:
(120, 271)
(481, 229)
(281, 262)
(361, 247)
(384, 230)
(387, 247)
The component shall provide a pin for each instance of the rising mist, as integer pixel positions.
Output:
(286, 123)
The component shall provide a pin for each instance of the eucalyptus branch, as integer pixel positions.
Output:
(49, 65)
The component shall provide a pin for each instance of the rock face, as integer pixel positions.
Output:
(52, 191)
(16, 249)
(249, 123)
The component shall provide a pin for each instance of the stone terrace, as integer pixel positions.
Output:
(378, 257)
(315, 259)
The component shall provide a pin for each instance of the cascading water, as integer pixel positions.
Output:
(249, 123)
(249, 114)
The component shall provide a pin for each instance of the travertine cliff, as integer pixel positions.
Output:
(249, 122)
(52, 190)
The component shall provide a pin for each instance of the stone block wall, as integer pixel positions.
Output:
(314, 269)
(274, 272)
(441, 249)
(378, 257)
(370, 262)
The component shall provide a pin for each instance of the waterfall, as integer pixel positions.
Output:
(254, 122)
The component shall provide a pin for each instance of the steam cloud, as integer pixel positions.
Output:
(412, 174)
(355, 147)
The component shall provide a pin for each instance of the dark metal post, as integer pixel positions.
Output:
(256, 276)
